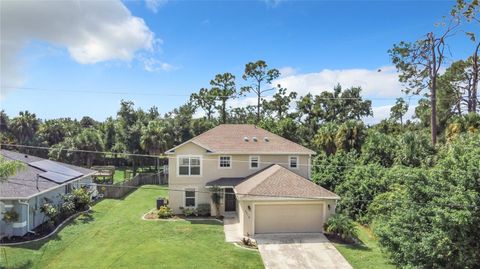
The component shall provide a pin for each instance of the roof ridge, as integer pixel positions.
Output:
(259, 172)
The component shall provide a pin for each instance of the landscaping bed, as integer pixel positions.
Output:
(113, 235)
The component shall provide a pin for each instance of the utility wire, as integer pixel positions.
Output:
(123, 92)
(174, 158)
(264, 195)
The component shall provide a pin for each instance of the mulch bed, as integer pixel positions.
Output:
(42, 230)
(337, 239)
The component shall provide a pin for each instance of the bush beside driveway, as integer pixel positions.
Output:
(115, 236)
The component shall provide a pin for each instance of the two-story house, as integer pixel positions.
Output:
(265, 179)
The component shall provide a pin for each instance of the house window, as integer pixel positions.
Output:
(254, 162)
(190, 198)
(225, 161)
(189, 166)
(293, 162)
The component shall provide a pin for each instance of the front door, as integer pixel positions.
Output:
(230, 200)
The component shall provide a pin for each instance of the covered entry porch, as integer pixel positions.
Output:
(229, 203)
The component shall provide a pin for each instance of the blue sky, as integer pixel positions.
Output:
(182, 44)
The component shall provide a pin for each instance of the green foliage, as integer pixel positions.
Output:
(329, 170)
(216, 194)
(165, 212)
(341, 226)
(379, 148)
(350, 136)
(440, 206)
(9, 168)
(10, 216)
(203, 209)
(188, 211)
(398, 110)
(81, 198)
(325, 138)
(223, 89)
(359, 188)
(415, 150)
(49, 210)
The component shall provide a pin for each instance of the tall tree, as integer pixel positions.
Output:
(280, 102)
(419, 65)
(155, 137)
(398, 110)
(206, 100)
(24, 126)
(260, 77)
(224, 89)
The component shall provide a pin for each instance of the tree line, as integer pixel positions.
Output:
(416, 183)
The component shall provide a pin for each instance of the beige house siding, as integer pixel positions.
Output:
(210, 170)
(247, 216)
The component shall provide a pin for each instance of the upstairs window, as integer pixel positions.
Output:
(190, 198)
(293, 162)
(254, 162)
(189, 166)
(225, 161)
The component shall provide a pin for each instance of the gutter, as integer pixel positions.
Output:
(47, 190)
(28, 215)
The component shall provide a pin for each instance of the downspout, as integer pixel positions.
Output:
(28, 215)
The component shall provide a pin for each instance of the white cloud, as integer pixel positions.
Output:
(152, 64)
(287, 71)
(91, 31)
(381, 82)
(383, 112)
(155, 5)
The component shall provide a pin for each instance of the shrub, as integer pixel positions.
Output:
(67, 207)
(203, 209)
(165, 212)
(341, 226)
(49, 210)
(81, 198)
(10, 216)
(189, 211)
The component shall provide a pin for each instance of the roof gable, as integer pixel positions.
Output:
(277, 182)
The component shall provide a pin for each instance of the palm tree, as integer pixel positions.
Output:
(325, 137)
(350, 135)
(155, 137)
(24, 126)
(9, 168)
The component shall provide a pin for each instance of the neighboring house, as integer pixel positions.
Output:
(265, 179)
(25, 192)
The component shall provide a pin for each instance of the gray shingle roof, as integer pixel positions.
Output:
(24, 183)
(226, 182)
(229, 138)
(278, 183)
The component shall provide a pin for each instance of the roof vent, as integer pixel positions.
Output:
(26, 156)
(245, 138)
(266, 139)
(254, 139)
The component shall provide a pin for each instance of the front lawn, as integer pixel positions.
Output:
(367, 255)
(114, 236)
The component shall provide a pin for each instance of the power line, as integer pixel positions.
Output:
(123, 92)
(174, 158)
(261, 195)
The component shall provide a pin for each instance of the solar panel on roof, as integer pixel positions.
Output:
(49, 166)
(56, 177)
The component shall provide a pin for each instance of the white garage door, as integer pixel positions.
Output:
(288, 218)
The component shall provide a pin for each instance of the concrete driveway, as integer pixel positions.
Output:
(312, 250)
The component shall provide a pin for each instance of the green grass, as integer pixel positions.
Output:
(119, 175)
(114, 236)
(367, 255)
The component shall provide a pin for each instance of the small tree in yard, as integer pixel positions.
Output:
(216, 199)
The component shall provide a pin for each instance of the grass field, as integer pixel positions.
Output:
(367, 255)
(114, 236)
